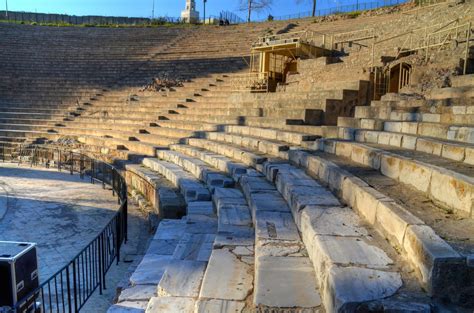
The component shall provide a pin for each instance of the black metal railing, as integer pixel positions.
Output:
(70, 288)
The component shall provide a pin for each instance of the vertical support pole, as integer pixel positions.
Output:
(373, 54)
(103, 174)
(118, 236)
(59, 160)
(92, 170)
(99, 254)
(71, 156)
(466, 53)
(68, 282)
(81, 167)
(74, 275)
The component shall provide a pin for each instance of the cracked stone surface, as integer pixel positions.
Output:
(150, 270)
(65, 212)
(138, 293)
(195, 247)
(182, 279)
(170, 305)
(128, 307)
(221, 306)
(346, 285)
(285, 282)
(227, 277)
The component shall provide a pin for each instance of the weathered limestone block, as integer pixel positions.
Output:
(302, 196)
(227, 277)
(182, 279)
(195, 247)
(343, 149)
(128, 307)
(415, 174)
(285, 282)
(346, 287)
(410, 127)
(138, 293)
(347, 251)
(429, 146)
(454, 152)
(162, 246)
(201, 208)
(267, 201)
(366, 202)
(367, 156)
(469, 159)
(433, 130)
(170, 230)
(454, 190)
(331, 221)
(234, 214)
(171, 305)
(371, 137)
(234, 236)
(170, 202)
(219, 306)
(394, 220)
(439, 266)
(409, 142)
(394, 127)
(150, 270)
(349, 188)
(390, 166)
(275, 226)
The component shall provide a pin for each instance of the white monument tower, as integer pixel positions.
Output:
(190, 15)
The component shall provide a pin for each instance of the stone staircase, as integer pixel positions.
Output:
(309, 199)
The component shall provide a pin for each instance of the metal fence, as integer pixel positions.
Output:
(43, 18)
(362, 6)
(224, 15)
(70, 288)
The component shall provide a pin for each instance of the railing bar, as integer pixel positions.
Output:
(62, 291)
(56, 291)
(49, 296)
(42, 300)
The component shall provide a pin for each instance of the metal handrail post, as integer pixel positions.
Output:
(466, 53)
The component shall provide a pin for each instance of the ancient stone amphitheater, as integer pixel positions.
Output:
(326, 195)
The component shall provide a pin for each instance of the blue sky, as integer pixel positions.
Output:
(142, 8)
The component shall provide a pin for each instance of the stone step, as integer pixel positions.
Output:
(463, 80)
(436, 264)
(217, 111)
(220, 119)
(220, 280)
(223, 164)
(229, 275)
(198, 168)
(453, 92)
(443, 148)
(239, 154)
(154, 139)
(280, 261)
(435, 130)
(138, 147)
(445, 182)
(293, 138)
(338, 244)
(146, 277)
(160, 193)
(189, 186)
(264, 146)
